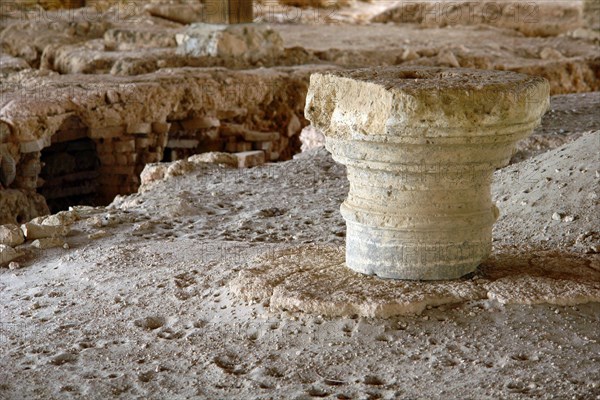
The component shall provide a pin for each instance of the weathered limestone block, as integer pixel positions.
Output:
(62, 218)
(92, 58)
(7, 254)
(161, 128)
(478, 47)
(27, 39)
(165, 93)
(48, 243)
(139, 128)
(34, 231)
(421, 145)
(130, 38)
(215, 158)
(540, 18)
(247, 41)
(178, 168)
(18, 206)
(249, 159)
(11, 235)
(195, 123)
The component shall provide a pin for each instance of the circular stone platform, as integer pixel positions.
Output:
(314, 279)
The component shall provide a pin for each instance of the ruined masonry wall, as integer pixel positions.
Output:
(132, 122)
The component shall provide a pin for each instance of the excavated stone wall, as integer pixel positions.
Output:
(132, 122)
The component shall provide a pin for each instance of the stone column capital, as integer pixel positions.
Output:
(424, 102)
(421, 145)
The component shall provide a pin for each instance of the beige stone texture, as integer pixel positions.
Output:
(249, 159)
(34, 231)
(18, 206)
(420, 145)
(540, 18)
(215, 158)
(315, 280)
(7, 254)
(48, 243)
(184, 12)
(11, 235)
(246, 41)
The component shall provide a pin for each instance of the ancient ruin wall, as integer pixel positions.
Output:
(131, 122)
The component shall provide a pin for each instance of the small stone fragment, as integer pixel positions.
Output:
(143, 227)
(556, 216)
(311, 138)
(14, 265)
(409, 54)
(94, 222)
(294, 126)
(448, 58)
(153, 173)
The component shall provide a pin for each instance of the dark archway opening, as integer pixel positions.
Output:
(70, 172)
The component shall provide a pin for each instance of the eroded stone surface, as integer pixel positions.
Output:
(542, 18)
(421, 145)
(18, 206)
(33, 231)
(11, 235)
(125, 124)
(315, 280)
(471, 47)
(7, 254)
(247, 41)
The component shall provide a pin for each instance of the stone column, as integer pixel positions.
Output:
(421, 145)
(228, 11)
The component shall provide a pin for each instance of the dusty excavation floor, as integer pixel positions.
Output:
(142, 302)
(217, 282)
